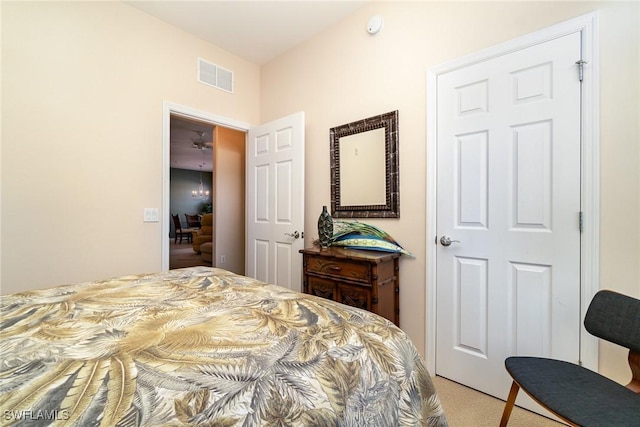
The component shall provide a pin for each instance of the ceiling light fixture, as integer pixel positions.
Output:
(199, 142)
(200, 193)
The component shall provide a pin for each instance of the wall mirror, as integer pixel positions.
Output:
(364, 168)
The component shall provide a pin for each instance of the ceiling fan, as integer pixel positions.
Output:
(200, 143)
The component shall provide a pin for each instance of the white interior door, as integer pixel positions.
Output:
(275, 201)
(508, 189)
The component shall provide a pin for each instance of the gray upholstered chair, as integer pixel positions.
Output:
(578, 395)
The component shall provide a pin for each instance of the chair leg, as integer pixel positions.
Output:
(508, 407)
(634, 364)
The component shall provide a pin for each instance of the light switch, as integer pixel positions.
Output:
(151, 215)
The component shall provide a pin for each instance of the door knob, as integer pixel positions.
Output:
(446, 241)
(295, 234)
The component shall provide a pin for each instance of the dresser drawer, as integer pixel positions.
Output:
(355, 296)
(322, 288)
(339, 268)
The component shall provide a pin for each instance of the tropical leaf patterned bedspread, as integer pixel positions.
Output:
(203, 346)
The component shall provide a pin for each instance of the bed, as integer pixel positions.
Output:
(204, 346)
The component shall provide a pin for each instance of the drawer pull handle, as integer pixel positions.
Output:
(335, 268)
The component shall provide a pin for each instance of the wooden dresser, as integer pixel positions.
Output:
(363, 279)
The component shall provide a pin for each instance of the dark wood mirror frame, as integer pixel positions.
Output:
(391, 207)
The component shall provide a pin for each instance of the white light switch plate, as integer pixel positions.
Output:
(151, 215)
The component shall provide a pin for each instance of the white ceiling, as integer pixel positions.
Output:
(257, 31)
(182, 153)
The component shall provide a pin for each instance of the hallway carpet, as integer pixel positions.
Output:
(182, 256)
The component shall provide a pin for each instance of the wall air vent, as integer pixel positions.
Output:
(214, 75)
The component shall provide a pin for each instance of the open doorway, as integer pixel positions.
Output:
(207, 183)
(233, 253)
(191, 233)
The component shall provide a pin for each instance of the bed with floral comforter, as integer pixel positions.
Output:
(203, 346)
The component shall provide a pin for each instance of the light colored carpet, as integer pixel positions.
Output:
(182, 256)
(466, 407)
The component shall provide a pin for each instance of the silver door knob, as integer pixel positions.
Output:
(295, 234)
(446, 241)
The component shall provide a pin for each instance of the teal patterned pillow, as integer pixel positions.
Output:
(370, 243)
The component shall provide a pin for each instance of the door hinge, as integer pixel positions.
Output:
(580, 65)
(581, 221)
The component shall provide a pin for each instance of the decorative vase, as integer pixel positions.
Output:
(325, 228)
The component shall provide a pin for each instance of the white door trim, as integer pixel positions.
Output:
(168, 109)
(590, 179)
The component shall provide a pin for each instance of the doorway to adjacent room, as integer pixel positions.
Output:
(205, 188)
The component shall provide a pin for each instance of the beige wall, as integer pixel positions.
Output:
(230, 198)
(82, 90)
(345, 74)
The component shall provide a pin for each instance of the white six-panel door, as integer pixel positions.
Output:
(508, 188)
(275, 201)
